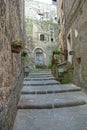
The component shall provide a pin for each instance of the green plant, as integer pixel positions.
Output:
(25, 60)
(17, 42)
(24, 52)
(49, 66)
(16, 46)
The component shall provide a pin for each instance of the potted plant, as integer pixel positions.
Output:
(79, 60)
(71, 52)
(24, 52)
(25, 59)
(16, 46)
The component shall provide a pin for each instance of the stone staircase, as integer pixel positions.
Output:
(44, 98)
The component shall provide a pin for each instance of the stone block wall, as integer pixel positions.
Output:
(11, 28)
(76, 23)
(7, 116)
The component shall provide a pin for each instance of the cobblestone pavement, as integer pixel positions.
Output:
(47, 105)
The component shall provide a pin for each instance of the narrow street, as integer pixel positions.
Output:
(45, 104)
(43, 64)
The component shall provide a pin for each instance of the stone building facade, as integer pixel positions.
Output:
(74, 27)
(11, 28)
(44, 30)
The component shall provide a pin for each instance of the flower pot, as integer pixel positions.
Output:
(63, 53)
(79, 60)
(16, 48)
(71, 52)
(54, 61)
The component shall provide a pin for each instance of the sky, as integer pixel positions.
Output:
(45, 1)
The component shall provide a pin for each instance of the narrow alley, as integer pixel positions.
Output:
(45, 104)
(43, 64)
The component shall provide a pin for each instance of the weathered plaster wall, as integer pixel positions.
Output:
(76, 21)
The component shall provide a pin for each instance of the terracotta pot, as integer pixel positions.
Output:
(54, 61)
(71, 52)
(63, 53)
(16, 48)
(79, 60)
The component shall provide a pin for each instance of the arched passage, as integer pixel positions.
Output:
(40, 57)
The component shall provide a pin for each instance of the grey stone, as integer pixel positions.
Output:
(72, 118)
(42, 82)
(41, 73)
(54, 100)
(49, 89)
(37, 79)
(47, 105)
(40, 76)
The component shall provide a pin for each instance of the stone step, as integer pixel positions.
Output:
(38, 83)
(51, 106)
(71, 118)
(49, 89)
(41, 73)
(40, 76)
(48, 101)
(37, 79)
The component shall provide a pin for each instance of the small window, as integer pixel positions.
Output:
(41, 37)
(55, 0)
(51, 39)
(55, 18)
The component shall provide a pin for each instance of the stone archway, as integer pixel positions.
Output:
(39, 57)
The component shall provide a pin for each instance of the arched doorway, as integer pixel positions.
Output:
(39, 57)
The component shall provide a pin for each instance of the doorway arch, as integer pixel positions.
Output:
(40, 57)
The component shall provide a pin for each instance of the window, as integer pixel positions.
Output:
(54, 0)
(41, 37)
(55, 17)
(51, 39)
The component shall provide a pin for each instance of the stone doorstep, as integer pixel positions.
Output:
(51, 106)
(50, 91)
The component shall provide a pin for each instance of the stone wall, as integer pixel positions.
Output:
(7, 116)
(11, 28)
(76, 27)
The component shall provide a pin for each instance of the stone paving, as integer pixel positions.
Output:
(47, 105)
